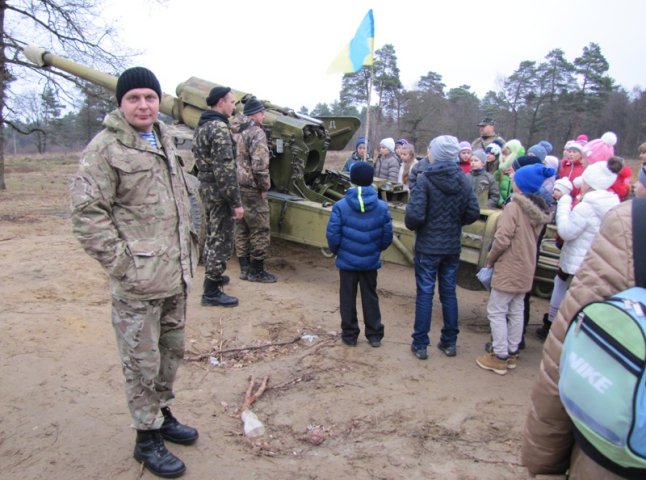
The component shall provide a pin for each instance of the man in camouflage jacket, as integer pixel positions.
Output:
(130, 211)
(214, 153)
(252, 232)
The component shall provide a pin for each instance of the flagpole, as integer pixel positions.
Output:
(368, 142)
(359, 53)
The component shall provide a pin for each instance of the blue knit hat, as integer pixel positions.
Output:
(539, 151)
(362, 174)
(530, 178)
(546, 145)
(361, 141)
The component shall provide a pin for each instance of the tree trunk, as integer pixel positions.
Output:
(3, 77)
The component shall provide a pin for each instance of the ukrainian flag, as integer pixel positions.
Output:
(360, 51)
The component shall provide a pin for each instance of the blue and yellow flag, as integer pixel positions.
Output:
(360, 51)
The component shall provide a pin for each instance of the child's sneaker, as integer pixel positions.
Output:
(490, 361)
(448, 350)
(419, 352)
(512, 360)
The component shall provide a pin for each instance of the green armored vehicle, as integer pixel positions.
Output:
(302, 190)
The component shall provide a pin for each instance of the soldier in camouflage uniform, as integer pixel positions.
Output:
(130, 211)
(252, 232)
(487, 135)
(214, 152)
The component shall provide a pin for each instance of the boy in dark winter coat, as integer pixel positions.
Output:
(483, 183)
(360, 227)
(441, 202)
(513, 258)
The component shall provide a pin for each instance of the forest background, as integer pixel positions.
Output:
(553, 98)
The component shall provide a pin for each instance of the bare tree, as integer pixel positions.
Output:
(75, 27)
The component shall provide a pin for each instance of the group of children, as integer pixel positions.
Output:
(576, 192)
(394, 161)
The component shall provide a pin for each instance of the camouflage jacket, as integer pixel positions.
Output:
(215, 156)
(252, 155)
(481, 143)
(130, 211)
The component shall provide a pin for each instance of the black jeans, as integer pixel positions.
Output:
(367, 281)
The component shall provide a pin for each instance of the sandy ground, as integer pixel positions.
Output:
(380, 413)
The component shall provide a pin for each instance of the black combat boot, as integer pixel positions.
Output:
(175, 432)
(543, 331)
(257, 273)
(214, 296)
(151, 451)
(244, 267)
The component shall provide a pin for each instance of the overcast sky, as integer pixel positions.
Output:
(280, 50)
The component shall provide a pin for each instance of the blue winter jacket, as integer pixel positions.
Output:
(360, 227)
(441, 202)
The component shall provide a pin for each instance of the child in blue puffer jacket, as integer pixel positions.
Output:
(360, 227)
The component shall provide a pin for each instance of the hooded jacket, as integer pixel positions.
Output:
(441, 202)
(215, 159)
(579, 225)
(548, 442)
(513, 253)
(420, 167)
(130, 211)
(360, 227)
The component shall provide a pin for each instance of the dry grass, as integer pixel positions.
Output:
(336, 160)
(48, 171)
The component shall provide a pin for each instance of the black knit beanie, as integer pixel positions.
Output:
(137, 77)
(216, 94)
(253, 106)
(362, 174)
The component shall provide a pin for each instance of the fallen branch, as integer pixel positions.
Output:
(252, 426)
(249, 396)
(292, 382)
(214, 353)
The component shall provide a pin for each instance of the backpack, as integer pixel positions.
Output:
(602, 381)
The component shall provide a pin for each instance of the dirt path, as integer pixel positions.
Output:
(381, 413)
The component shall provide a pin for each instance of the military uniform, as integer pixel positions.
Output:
(215, 155)
(130, 211)
(481, 143)
(252, 236)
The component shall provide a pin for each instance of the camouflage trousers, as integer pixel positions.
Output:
(252, 232)
(219, 237)
(150, 339)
